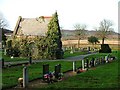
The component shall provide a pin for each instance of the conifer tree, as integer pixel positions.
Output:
(54, 38)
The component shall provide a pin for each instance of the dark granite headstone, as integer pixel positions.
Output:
(92, 62)
(45, 69)
(87, 63)
(57, 70)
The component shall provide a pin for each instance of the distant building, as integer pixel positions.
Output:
(33, 31)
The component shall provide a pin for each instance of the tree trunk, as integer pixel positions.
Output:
(78, 42)
(103, 40)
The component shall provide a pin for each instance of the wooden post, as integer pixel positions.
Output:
(74, 66)
(25, 77)
(2, 62)
(30, 60)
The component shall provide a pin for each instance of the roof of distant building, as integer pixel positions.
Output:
(32, 26)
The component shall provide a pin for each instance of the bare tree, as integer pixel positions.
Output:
(3, 25)
(3, 22)
(80, 32)
(104, 29)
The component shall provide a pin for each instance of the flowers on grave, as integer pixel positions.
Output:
(60, 76)
(48, 75)
(81, 70)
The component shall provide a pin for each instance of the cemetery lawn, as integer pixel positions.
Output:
(68, 54)
(103, 76)
(11, 75)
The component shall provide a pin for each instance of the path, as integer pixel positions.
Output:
(75, 58)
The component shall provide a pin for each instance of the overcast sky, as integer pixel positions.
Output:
(71, 12)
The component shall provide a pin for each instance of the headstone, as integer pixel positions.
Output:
(83, 67)
(88, 48)
(97, 61)
(57, 70)
(106, 59)
(87, 63)
(100, 60)
(74, 66)
(71, 50)
(45, 69)
(103, 61)
(92, 62)
(25, 77)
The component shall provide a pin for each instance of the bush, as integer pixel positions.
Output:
(105, 48)
(13, 52)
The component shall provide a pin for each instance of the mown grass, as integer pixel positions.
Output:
(11, 75)
(68, 54)
(102, 76)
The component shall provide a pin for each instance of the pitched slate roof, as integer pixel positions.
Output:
(32, 26)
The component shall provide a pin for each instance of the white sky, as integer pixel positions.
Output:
(89, 12)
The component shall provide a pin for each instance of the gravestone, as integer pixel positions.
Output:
(92, 62)
(87, 63)
(100, 60)
(103, 60)
(45, 69)
(106, 59)
(57, 70)
(74, 66)
(88, 48)
(25, 77)
(71, 50)
(97, 61)
(83, 67)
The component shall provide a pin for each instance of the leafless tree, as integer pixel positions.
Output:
(80, 32)
(3, 22)
(104, 29)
